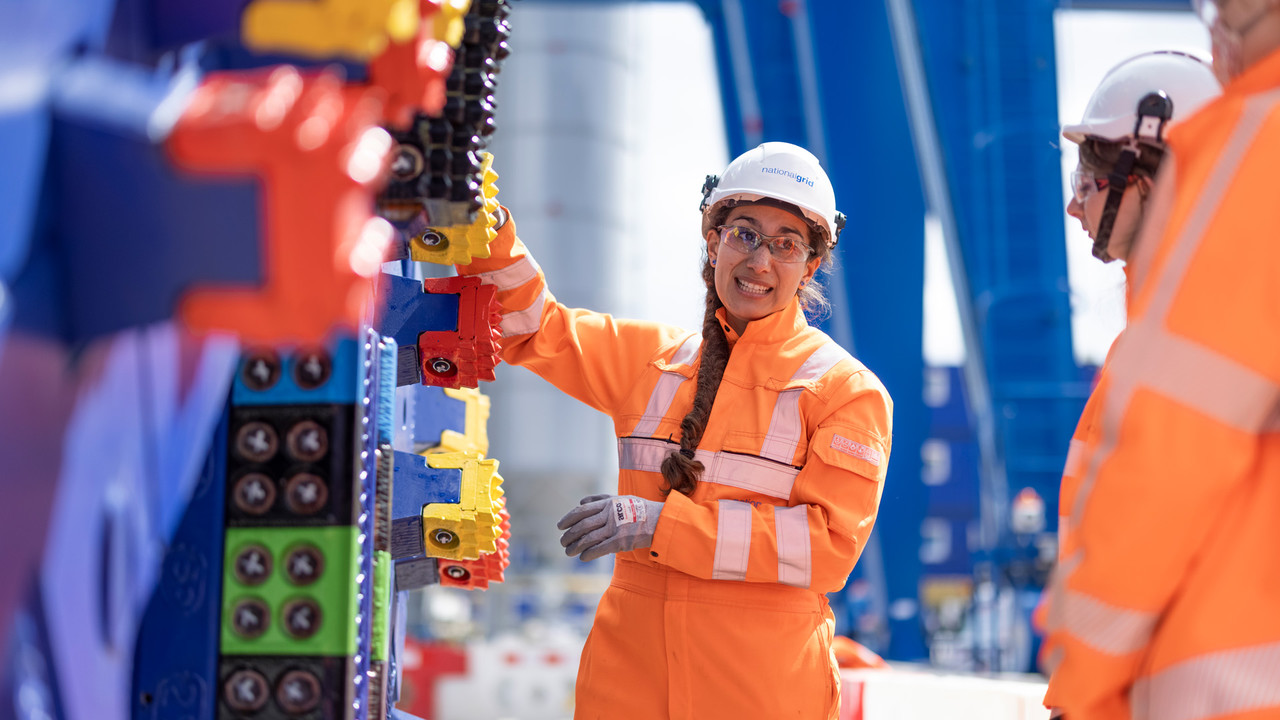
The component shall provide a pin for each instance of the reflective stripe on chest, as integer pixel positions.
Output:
(665, 391)
(769, 473)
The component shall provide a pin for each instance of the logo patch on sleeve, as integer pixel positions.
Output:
(856, 449)
(627, 510)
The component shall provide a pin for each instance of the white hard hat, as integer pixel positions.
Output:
(783, 172)
(1187, 79)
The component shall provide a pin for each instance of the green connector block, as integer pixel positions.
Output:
(383, 570)
(334, 591)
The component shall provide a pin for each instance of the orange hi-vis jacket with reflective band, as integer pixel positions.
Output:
(1169, 608)
(1086, 433)
(725, 615)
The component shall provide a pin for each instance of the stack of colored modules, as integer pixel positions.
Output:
(450, 525)
(437, 196)
(298, 597)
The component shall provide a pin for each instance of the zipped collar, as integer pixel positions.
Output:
(771, 329)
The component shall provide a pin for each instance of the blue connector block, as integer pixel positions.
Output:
(416, 485)
(343, 386)
(433, 413)
(406, 311)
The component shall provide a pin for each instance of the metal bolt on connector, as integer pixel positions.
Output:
(311, 369)
(298, 692)
(440, 366)
(305, 493)
(457, 572)
(250, 617)
(253, 565)
(432, 238)
(261, 370)
(407, 164)
(307, 441)
(304, 565)
(257, 442)
(246, 691)
(302, 618)
(443, 537)
(254, 493)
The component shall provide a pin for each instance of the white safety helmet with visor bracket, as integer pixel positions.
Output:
(1133, 105)
(778, 171)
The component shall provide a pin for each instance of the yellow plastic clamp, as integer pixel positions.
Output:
(475, 435)
(472, 526)
(325, 28)
(449, 24)
(460, 244)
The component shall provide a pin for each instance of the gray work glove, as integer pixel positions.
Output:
(603, 524)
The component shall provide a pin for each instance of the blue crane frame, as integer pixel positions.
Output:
(946, 107)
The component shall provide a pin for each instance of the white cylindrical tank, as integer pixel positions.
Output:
(608, 120)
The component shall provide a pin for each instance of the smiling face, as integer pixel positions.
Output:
(755, 285)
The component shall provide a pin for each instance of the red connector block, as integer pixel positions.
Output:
(464, 357)
(320, 158)
(489, 568)
(413, 74)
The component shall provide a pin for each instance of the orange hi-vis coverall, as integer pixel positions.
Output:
(724, 616)
(1169, 608)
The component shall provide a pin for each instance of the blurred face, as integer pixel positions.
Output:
(1241, 31)
(1088, 202)
(755, 284)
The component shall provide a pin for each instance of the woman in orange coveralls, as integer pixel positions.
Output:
(752, 459)
(1109, 183)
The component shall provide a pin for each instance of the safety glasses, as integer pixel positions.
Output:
(1083, 184)
(783, 248)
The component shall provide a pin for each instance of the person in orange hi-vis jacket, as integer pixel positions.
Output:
(752, 459)
(1166, 608)
(1110, 187)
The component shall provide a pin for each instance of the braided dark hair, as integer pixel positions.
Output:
(680, 469)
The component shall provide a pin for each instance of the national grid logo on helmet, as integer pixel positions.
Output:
(787, 173)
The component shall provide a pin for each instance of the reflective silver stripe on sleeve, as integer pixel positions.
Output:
(511, 276)
(665, 389)
(723, 468)
(1211, 686)
(525, 321)
(785, 427)
(1075, 456)
(733, 541)
(795, 566)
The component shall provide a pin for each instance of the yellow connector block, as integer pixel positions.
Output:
(471, 527)
(449, 24)
(475, 437)
(459, 244)
(488, 178)
(326, 28)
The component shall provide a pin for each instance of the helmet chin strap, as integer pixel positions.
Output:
(1154, 112)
